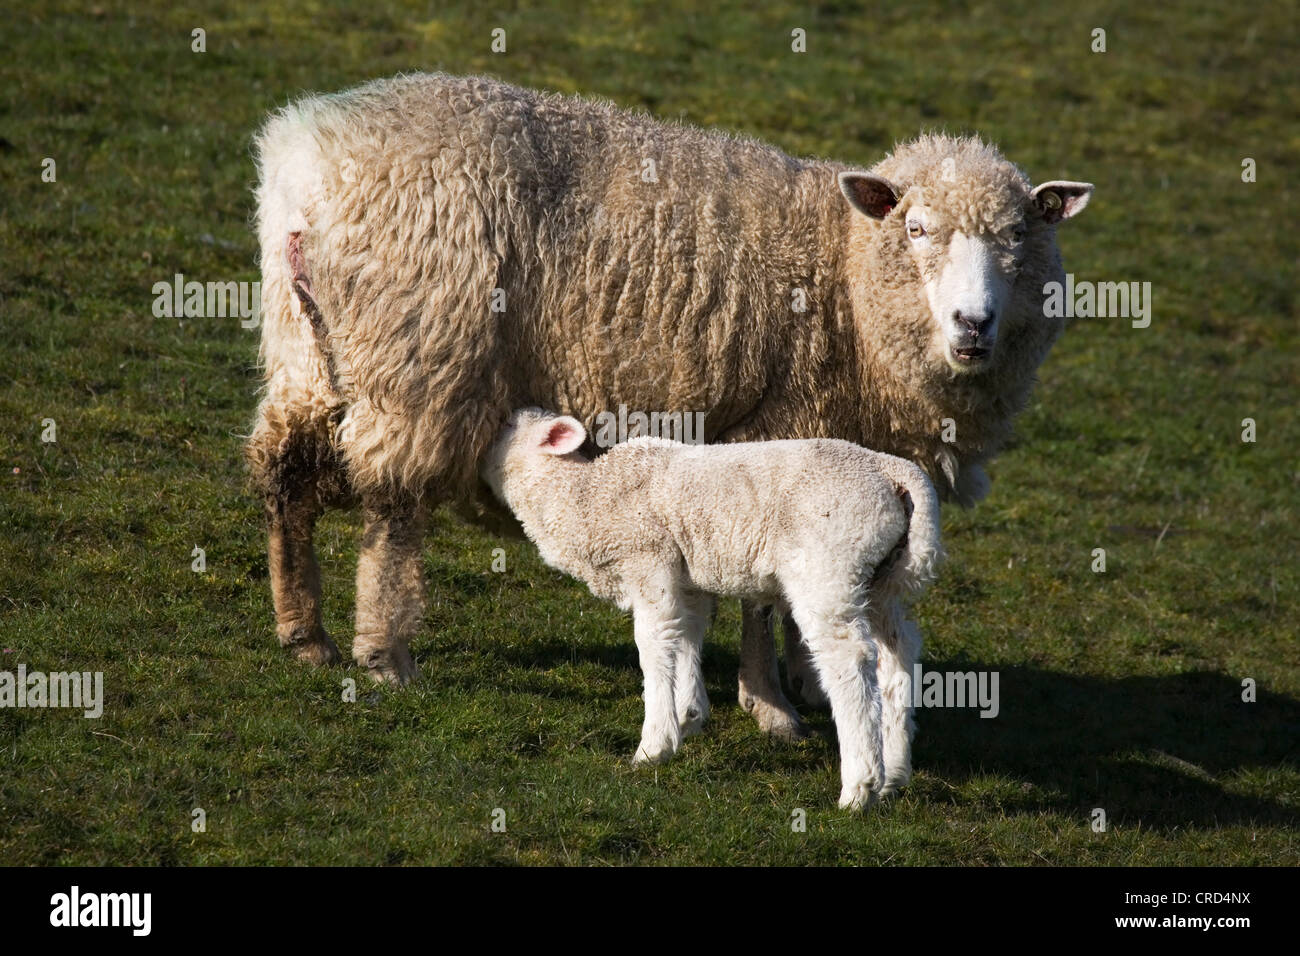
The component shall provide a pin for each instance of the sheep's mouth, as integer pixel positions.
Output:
(972, 354)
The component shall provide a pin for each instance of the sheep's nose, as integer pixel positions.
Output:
(976, 325)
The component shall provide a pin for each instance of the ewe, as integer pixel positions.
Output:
(438, 251)
(833, 532)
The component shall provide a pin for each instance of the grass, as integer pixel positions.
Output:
(1119, 691)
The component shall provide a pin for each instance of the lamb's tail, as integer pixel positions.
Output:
(922, 546)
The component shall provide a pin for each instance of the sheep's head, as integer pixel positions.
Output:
(526, 443)
(979, 237)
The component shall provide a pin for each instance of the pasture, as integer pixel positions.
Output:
(1120, 690)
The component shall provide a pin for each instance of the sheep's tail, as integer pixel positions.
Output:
(922, 545)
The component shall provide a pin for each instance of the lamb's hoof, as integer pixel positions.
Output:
(857, 797)
(311, 645)
(893, 785)
(693, 722)
(652, 754)
(808, 691)
(393, 666)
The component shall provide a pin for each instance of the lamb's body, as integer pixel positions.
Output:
(757, 520)
(438, 250)
(834, 532)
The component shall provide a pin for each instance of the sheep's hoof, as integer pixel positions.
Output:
(311, 645)
(393, 666)
(786, 728)
(808, 691)
(780, 723)
(857, 797)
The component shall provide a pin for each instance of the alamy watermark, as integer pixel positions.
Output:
(75, 909)
(75, 690)
(208, 300)
(1098, 300)
(956, 689)
(615, 428)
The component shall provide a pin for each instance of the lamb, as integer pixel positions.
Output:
(438, 251)
(836, 533)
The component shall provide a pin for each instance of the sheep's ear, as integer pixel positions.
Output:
(869, 194)
(1061, 199)
(563, 435)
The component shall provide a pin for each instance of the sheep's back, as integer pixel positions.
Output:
(478, 247)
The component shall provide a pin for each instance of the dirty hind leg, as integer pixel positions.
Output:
(390, 589)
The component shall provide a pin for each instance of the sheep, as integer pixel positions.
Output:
(437, 251)
(835, 533)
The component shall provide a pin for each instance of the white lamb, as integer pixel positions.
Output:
(833, 532)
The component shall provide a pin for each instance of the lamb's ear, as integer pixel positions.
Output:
(869, 194)
(563, 435)
(1061, 199)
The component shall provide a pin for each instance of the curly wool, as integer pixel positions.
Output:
(636, 262)
(770, 521)
(837, 533)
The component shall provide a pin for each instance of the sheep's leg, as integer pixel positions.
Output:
(295, 580)
(844, 654)
(760, 684)
(659, 628)
(390, 589)
(900, 649)
(689, 692)
(295, 478)
(799, 668)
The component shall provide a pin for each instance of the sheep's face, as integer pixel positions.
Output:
(527, 441)
(967, 278)
(967, 232)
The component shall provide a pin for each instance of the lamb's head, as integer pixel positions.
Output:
(527, 447)
(953, 214)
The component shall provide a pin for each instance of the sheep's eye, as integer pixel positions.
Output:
(1018, 234)
(915, 230)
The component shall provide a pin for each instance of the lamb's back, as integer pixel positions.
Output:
(737, 513)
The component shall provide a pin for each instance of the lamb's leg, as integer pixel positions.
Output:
(292, 472)
(390, 589)
(760, 684)
(659, 629)
(689, 693)
(900, 649)
(799, 669)
(844, 654)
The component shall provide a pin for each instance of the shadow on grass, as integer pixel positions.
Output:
(1150, 751)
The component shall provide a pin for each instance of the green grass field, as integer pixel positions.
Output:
(1120, 691)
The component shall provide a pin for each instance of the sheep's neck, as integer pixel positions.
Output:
(925, 411)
